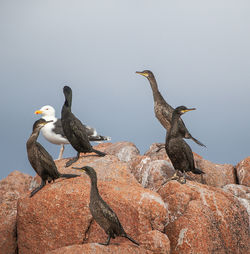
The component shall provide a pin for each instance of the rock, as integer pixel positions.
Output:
(94, 248)
(204, 219)
(217, 175)
(155, 241)
(242, 193)
(243, 171)
(59, 215)
(11, 188)
(151, 173)
(124, 151)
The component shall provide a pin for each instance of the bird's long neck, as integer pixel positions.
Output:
(174, 130)
(66, 109)
(32, 139)
(156, 93)
(94, 190)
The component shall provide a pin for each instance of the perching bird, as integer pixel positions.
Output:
(101, 211)
(163, 111)
(74, 130)
(178, 151)
(40, 159)
(53, 131)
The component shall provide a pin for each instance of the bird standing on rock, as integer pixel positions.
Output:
(163, 111)
(40, 159)
(74, 130)
(53, 131)
(178, 151)
(101, 211)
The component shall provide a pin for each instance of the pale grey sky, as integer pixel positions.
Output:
(198, 50)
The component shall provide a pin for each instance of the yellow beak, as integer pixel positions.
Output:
(38, 112)
(142, 73)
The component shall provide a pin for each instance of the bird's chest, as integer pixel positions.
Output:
(162, 115)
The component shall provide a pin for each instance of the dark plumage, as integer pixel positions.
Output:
(74, 130)
(53, 131)
(163, 111)
(40, 159)
(178, 151)
(101, 211)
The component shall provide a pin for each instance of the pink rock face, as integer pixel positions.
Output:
(204, 219)
(155, 241)
(151, 173)
(94, 248)
(59, 215)
(124, 151)
(243, 172)
(217, 175)
(11, 188)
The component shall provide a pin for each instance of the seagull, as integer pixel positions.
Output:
(53, 131)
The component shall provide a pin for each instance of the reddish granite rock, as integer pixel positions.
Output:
(242, 193)
(204, 219)
(12, 187)
(155, 241)
(94, 248)
(151, 173)
(124, 151)
(217, 175)
(58, 215)
(243, 171)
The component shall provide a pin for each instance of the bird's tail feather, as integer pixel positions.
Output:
(99, 138)
(98, 152)
(197, 141)
(131, 239)
(197, 171)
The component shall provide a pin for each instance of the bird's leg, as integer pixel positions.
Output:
(37, 189)
(174, 177)
(108, 240)
(184, 178)
(61, 152)
(70, 162)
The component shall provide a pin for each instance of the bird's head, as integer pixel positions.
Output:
(46, 111)
(182, 110)
(146, 73)
(39, 124)
(88, 170)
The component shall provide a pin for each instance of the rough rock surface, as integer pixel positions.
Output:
(11, 188)
(59, 216)
(94, 248)
(191, 218)
(243, 171)
(242, 193)
(204, 219)
(217, 175)
(155, 241)
(151, 173)
(125, 151)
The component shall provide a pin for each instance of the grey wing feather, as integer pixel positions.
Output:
(58, 128)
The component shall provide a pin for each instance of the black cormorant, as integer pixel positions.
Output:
(74, 130)
(41, 160)
(101, 211)
(178, 151)
(53, 131)
(163, 111)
